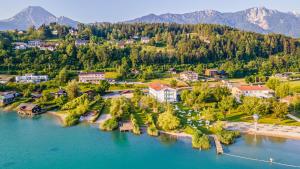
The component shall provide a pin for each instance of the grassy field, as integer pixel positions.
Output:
(111, 75)
(295, 85)
(168, 81)
(5, 77)
(127, 87)
(242, 117)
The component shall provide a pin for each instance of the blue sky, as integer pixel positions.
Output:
(118, 10)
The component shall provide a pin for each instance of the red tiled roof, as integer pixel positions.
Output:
(247, 88)
(158, 86)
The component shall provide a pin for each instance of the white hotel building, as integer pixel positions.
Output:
(162, 92)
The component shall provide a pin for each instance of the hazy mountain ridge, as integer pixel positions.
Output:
(261, 20)
(34, 16)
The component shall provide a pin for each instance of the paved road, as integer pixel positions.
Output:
(293, 117)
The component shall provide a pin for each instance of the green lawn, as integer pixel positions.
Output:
(111, 75)
(167, 81)
(127, 87)
(241, 117)
(295, 85)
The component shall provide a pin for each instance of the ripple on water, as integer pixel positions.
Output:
(8, 164)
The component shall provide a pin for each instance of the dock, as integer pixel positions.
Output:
(219, 148)
(126, 126)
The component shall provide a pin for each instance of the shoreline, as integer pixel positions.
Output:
(289, 132)
(60, 117)
(279, 131)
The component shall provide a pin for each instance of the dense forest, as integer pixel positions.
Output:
(237, 52)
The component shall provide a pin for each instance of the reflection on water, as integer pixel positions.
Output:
(258, 139)
(167, 139)
(120, 138)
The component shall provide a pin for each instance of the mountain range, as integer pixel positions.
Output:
(258, 19)
(34, 16)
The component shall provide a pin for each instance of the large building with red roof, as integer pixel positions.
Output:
(162, 92)
(253, 91)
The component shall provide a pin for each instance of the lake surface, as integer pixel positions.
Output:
(43, 144)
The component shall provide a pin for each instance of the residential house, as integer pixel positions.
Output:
(20, 45)
(129, 41)
(189, 76)
(145, 39)
(172, 71)
(34, 43)
(91, 77)
(55, 32)
(136, 37)
(211, 72)
(253, 91)
(31, 78)
(47, 47)
(29, 109)
(121, 44)
(59, 93)
(73, 32)
(80, 42)
(283, 76)
(7, 97)
(162, 92)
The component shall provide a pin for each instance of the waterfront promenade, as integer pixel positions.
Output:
(265, 129)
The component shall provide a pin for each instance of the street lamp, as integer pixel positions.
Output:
(255, 118)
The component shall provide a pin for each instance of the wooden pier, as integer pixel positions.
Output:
(126, 126)
(218, 144)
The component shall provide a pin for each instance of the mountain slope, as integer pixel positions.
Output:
(260, 20)
(33, 16)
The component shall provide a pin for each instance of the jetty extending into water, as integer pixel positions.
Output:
(218, 144)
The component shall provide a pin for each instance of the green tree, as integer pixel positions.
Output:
(273, 83)
(119, 107)
(282, 90)
(227, 103)
(200, 141)
(72, 89)
(167, 120)
(102, 87)
(280, 110)
(63, 76)
(173, 83)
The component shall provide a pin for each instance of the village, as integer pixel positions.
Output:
(170, 91)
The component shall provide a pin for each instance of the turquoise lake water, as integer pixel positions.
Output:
(43, 144)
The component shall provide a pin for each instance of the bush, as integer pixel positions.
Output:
(227, 137)
(168, 121)
(200, 141)
(136, 127)
(71, 120)
(152, 130)
(109, 125)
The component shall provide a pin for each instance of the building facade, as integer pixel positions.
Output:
(92, 77)
(35, 43)
(163, 93)
(7, 97)
(79, 42)
(211, 72)
(189, 76)
(31, 78)
(252, 91)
